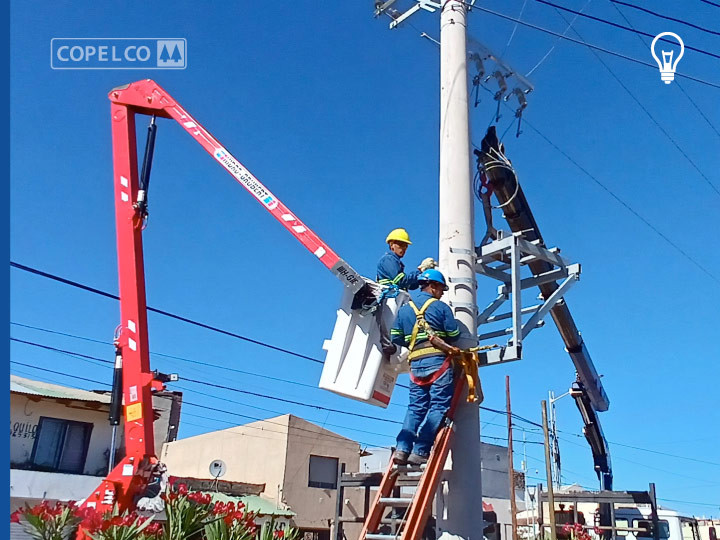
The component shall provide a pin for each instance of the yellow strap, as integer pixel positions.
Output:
(468, 361)
(424, 352)
(419, 320)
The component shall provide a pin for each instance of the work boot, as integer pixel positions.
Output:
(416, 459)
(400, 458)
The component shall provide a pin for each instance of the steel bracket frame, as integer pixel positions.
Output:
(503, 260)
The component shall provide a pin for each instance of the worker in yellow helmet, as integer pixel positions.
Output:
(390, 268)
(391, 274)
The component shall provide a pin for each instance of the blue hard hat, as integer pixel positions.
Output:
(433, 275)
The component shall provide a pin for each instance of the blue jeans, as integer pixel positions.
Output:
(427, 407)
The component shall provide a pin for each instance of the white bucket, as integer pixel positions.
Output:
(354, 364)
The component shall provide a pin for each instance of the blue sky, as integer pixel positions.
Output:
(339, 117)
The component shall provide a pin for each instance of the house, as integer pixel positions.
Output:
(60, 439)
(297, 462)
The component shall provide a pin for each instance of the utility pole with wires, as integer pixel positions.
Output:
(511, 468)
(457, 261)
(554, 441)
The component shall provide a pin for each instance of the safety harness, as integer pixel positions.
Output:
(466, 360)
(426, 349)
(421, 328)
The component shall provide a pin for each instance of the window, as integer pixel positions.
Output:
(323, 472)
(647, 525)
(689, 531)
(61, 445)
(621, 523)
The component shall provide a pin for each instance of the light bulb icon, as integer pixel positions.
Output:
(667, 65)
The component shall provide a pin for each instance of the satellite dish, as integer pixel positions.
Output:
(218, 468)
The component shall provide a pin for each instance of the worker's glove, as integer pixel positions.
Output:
(389, 349)
(427, 264)
(454, 351)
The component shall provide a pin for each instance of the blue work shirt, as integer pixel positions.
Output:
(390, 269)
(440, 318)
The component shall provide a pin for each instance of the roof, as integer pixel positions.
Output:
(254, 503)
(21, 385)
(280, 427)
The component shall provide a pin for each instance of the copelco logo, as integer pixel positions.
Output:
(118, 53)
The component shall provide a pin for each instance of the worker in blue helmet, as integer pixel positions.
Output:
(427, 327)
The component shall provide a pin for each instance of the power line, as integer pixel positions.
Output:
(552, 48)
(276, 379)
(677, 83)
(94, 381)
(645, 110)
(174, 357)
(223, 387)
(97, 359)
(232, 389)
(597, 48)
(661, 469)
(616, 25)
(710, 3)
(623, 203)
(666, 17)
(233, 413)
(166, 313)
(497, 411)
(512, 34)
(649, 450)
(290, 401)
(689, 502)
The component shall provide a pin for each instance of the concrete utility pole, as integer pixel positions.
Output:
(511, 468)
(548, 472)
(463, 506)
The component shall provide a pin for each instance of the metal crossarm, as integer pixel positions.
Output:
(503, 260)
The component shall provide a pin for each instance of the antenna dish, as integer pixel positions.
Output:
(217, 468)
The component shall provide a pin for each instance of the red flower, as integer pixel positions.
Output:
(219, 508)
(154, 529)
(182, 489)
(15, 516)
(279, 534)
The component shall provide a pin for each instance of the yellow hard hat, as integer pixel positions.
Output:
(399, 235)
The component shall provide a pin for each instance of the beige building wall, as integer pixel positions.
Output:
(315, 507)
(253, 453)
(25, 413)
(275, 452)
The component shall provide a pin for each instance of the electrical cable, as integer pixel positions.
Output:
(579, 42)
(627, 28)
(290, 401)
(626, 205)
(109, 362)
(512, 34)
(552, 48)
(681, 87)
(647, 112)
(168, 314)
(710, 3)
(666, 17)
(497, 411)
(94, 381)
(171, 356)
(233, 413)
(223, 387)
(689, 502)
(165, 313)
